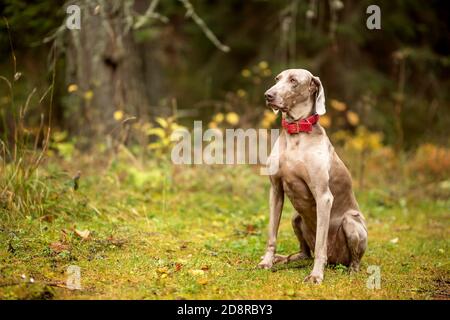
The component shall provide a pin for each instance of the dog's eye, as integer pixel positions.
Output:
(293, 81)
(277, 79)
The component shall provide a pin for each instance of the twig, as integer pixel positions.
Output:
(190, 12)
(149, 14)
(51, 284)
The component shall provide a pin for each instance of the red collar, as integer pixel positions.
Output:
(302, 125)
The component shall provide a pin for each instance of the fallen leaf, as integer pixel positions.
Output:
(202, 281)
(250, 229)
(83, 234)
(59, 247)
(205, 268)
(115, 241)
(64, 234)
(395, 240)
(178, 266)
(47, 218)
(197, 272)
(163, 270)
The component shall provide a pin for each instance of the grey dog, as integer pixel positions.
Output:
(327, 222)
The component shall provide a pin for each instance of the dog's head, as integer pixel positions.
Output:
(296, 89)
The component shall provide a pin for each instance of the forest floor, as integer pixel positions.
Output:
(199, 233)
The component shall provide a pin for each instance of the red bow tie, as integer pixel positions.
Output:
(302, 125)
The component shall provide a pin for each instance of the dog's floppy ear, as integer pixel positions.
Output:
(320, 96)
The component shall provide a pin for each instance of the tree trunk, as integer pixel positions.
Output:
(104, 61)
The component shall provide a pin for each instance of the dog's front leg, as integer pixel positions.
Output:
(276, 200)
(324, 201)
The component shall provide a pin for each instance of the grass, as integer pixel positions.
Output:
(198, 233)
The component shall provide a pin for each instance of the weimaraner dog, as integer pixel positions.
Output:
(327, 220)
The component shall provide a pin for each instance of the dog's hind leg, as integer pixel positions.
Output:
(305, 250)
(356, 235)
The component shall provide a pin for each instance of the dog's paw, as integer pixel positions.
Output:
(265, 264)
(267, 261)
(354, 268)
(279, 259)
(314, 278)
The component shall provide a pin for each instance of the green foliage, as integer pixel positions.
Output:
(64, 147)
(31, 22)
(162, 134)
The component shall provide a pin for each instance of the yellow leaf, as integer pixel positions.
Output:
(246, 73)
(166, 141)
(241, 93)
(88, 95)
(202, 281)
(267, 72)
(59, 136)
(218, 117)
(197, 272)
(72, 88)
(325, 121)
(265, 124)
(157, 132)
(212, 125)
(357, 143)
(232, 118)
(162, 122)
(352, 118)
(162, 270)
(154, 145)
(269, 118)
(263, 65)
(118, 115)
(338, 105)
(375, 141)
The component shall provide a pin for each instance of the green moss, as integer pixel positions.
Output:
(194, 238)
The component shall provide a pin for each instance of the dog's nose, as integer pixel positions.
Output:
(269, 96)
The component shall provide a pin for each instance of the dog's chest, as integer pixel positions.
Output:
(295, 177)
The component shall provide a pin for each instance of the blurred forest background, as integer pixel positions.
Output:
(139, 61)
(101, 102)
